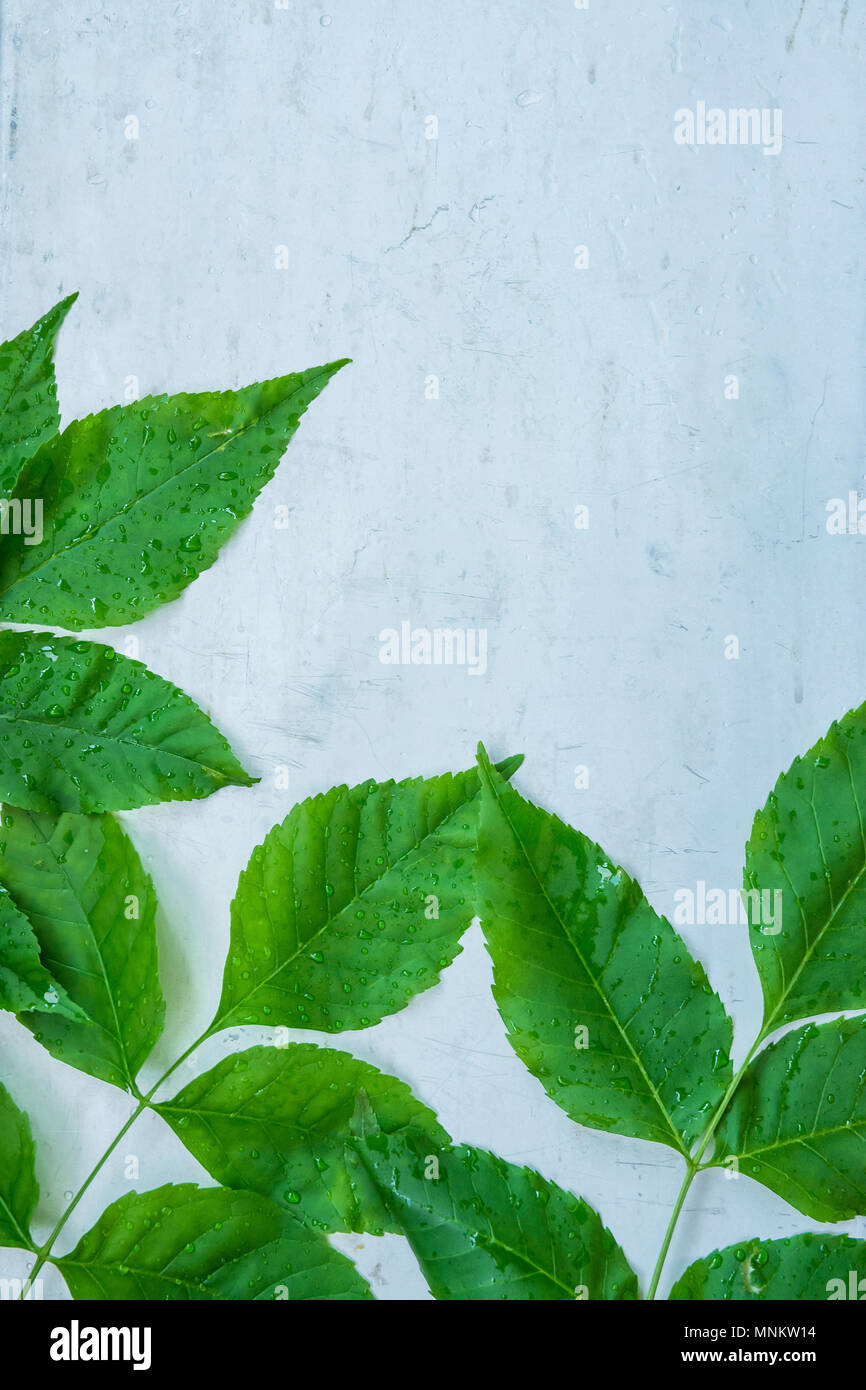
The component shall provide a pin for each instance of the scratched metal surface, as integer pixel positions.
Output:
(559, 385)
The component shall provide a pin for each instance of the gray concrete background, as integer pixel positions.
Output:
(454, 257)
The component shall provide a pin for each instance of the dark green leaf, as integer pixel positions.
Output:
(83, 728)
(92, 906)
(797, 1122)
(139, 499)
(277, 1120)
(806, 856)
(353, 905)
(601, 999)
(807, 1268)
(28, 393)
(483, 1229)
(25, 984)
(19, 1190)
(190, 1243)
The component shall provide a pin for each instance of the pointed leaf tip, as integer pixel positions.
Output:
(53, 318)
(333, 367)
(485, 767)
(29, 392)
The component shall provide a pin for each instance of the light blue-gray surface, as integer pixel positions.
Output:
(305, 129)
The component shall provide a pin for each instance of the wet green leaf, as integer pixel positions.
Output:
(25, 984)
(19, 1191)
(353, 905)
(601, 999)
(807, 856)
(190, 1243)
(139, 499)
(277, 1120)
(483, 1229)
(28, 393)
(83, 728)
(80, 883)
(808, 1267)
(797, 1122)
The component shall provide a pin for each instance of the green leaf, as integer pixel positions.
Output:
(807, 857)
(139, 499)
(81, 884)
(807, 1268)
(277, 1120)
(19, 1190)
(797, 1121)
(600, 997)
(83, 728)
(353, 905)
(483, 1229)
(28, 393)
(25, 984)
(191, 1243)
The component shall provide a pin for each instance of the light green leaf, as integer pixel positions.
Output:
(19, 1191)
(601, 999)
(483, 1229)
(81, 884)
(804, 1268)
(139, 499)
(277, 1120)
(190, 1243)
(806, 858)
(797, 1121)
(83, 728)
(353, 905)
(28, 393)
(25, 984)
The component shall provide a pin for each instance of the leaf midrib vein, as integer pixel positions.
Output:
(48, 722)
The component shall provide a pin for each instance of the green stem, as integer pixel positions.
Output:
(693, 1163)
(689, 1178)
(44, 1251)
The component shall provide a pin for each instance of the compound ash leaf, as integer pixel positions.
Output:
(138, 499)
(601, 999)
(805, 878)
(797, 1121)
(28, 393)
(277, 1120)
(83, 728)
(25, 984)
(189, 1243)
(81, 884)
(19, 1191)
(483, 1229)
(353, 905)
(808, 1267)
